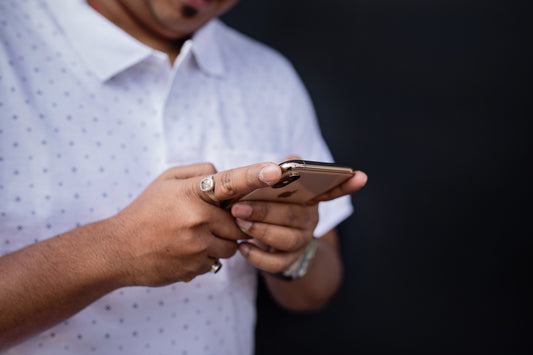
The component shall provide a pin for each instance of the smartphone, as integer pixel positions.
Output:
(301, 181)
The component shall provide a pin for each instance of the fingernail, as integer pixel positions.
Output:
(244, 224)
(270, 174)
(242, 210)
(244, 249)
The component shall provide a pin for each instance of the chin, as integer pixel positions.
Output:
(183, 17)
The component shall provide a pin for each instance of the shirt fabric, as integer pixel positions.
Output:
(89, 117)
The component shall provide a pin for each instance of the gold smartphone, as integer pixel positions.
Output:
(301, 181)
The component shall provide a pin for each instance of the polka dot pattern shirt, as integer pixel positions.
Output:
(89, 117)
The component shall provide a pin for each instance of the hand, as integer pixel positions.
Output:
(174, 231)
(282, 231)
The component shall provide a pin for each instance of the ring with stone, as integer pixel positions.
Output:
(217, 265)
(207, 185)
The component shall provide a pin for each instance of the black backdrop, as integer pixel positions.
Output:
(431, 99)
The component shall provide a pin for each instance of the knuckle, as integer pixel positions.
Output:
(231, 250)
(311, 218)
(209, 167)
(194, 245)
(292, 216)
(261, 231)
(189, 277)
(295, 242)
(167, 172)
(195, 220)
(191, 192)
(260, 211)
(205, 268)
(194, 269)
(281, 263)
(226, 186)
(265, 263)
(292, 243)
(251, 177)
(226, 250)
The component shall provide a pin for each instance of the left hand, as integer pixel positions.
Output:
(281, 232)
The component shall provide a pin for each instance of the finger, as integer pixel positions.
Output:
(221, 248)
(284, 214)
(261, 245)
(273, 262)
(354, 184)
(223, 225)
(188, 171)
(205, 268)
(279, 237)
(240, 181)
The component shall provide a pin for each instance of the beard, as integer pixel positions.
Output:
(189, 11)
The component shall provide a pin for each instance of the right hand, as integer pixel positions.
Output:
(173, 231)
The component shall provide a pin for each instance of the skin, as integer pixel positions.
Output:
(160, 24)
(281, 232)
(172, 232)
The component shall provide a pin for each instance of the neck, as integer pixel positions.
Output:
(123, 18)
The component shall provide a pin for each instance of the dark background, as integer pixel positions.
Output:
(431, 98)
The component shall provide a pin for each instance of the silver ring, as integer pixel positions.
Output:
(217, 265)
(207, 185)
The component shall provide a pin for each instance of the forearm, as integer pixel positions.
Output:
(320, 283)
(172, 232)
(49, 281)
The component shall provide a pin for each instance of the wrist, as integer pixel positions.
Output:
(115, 251)
(299, 268)
(104, 251)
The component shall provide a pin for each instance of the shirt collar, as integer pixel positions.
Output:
(108, 50)
(206, 49)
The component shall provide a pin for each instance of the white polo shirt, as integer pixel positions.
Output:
(89, 117)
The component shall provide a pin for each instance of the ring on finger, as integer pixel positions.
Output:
(217, 265)
(207, 185)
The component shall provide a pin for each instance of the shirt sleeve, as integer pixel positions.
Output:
(306, 140)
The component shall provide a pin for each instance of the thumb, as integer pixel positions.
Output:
(354, 184)
(237, 182)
